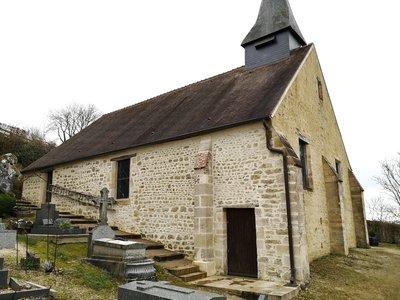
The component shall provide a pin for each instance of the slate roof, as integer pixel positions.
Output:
(237, 97)
(274, 16)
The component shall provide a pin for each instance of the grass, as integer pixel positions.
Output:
(74, 279)
(362, 275)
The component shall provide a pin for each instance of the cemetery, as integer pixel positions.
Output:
(122, 259)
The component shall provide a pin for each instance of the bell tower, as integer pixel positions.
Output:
(273, 36)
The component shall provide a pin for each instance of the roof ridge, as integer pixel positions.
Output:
(175, 90)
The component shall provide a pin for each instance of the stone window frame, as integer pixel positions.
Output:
(305, 158)
(117, 161)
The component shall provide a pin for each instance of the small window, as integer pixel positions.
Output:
(123, 178)
(48, 186)
(320, 90)
(306, 173)
(338, 168)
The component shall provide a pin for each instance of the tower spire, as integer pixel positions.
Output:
(274, 34)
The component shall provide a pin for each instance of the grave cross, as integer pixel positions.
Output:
(104, 201)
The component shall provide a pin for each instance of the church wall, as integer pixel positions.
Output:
(34, 187)
(302, 114)
(164, 187)
(247, 174)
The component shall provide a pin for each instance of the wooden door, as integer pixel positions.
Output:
(242, 247)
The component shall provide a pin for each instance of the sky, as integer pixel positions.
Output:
(114, 53)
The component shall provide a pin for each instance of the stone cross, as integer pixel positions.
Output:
(104, 201)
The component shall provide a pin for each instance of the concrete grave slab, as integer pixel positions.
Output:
(148, 290)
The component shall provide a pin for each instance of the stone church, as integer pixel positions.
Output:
(245, 172)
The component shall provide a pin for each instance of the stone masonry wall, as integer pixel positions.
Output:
(302, 114)
(163, 193)
(87, 177)
(34, 186)
(162, 187)
(246, 174)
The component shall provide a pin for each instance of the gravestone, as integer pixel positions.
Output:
(3, 274)
(99, 232)
(8, 238)
(47, 221)
(148, 290)
(124, 259)
(103, 230)
(104, 202)
(46, 215)
(21, 289)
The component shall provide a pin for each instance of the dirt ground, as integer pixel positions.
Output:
(366, 274)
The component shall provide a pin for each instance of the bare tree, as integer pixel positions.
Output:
(390, 178)
(380, 210)
(71, 119)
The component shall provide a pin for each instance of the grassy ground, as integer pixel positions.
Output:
(363, 275)
(75, 279)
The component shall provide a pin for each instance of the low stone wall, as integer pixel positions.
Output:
(385, 232)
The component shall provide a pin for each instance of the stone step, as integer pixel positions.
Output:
(23, 213)
(88, 227)
(150, 245)
(193, 276)
(27, 206)
(126, 235)
(285, 293)
(161, 255)
(185, 270)
(70, 216)
(21, 202)
(83, 221)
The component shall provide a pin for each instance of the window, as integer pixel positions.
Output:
(48, 186)
(305, 164)
(320, 90)
(123, 178)
(338, 168)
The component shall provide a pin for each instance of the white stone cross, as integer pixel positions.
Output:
(104, 201)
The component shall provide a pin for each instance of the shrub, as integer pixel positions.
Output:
(7, 203)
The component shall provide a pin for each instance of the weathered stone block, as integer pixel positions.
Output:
(203, 189)
(8, 239)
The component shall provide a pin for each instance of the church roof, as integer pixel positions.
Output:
(274, 16)
(237, 97)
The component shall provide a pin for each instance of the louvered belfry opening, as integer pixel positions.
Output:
(274, 35)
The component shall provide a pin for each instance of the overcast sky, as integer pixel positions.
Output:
(114, 53)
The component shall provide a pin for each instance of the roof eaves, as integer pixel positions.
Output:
(175, 138)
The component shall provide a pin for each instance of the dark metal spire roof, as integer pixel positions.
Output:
(274, 16)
